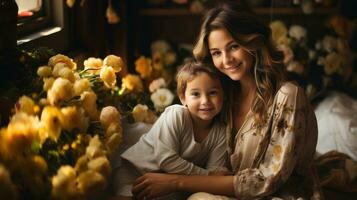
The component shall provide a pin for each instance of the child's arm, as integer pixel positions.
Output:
(217, 160)
(168, 141)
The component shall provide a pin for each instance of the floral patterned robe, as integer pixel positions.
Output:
(274, 159)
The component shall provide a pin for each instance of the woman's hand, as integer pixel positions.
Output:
(152, 185)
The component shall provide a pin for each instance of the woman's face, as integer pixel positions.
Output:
(228, 56)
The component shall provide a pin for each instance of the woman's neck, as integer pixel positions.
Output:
(247, 88)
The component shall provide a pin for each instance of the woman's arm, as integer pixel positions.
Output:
(153, 185)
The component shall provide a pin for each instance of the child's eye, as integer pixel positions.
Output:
(196, 94)
(213, 93)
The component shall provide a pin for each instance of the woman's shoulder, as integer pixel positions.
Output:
(291, 93)
(289, 88)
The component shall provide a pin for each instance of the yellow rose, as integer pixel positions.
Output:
(143, 66)
(342, 26)
(51, 123)
(132, 82)
(279, 31)
(107, 74)
(115, 62)
(59, 58)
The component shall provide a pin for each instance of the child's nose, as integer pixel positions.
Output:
(205, 99)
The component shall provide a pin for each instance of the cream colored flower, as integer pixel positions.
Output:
(112, 16)
(114, 127)
(307, 7)
(279, 31)
(64, 184)
(44, 71)
(107, 74)
(132, 82)
(342, 26)
(93, 65)
(51, 123)
(156, 84)
(141, 113)
(143, 66)
(101, 165)
(70, 3)
(197, 7)
(162, 98)
(298, 32)
(95, 148)
(329, 43)
(113, 142)
(90, 182)
(288, 53)
(108, 115)
(61, 90)
(57, 68)
(160, 46)
(295, 66)
(67, 73)
(80, 86)
(81, 164)
(334, 63)
(59, 58)
(72, 117)
(170, 58)
(157, 61)
(115, 62)
(47, 83)
(19, 135)
(89, 103)
(26, 104)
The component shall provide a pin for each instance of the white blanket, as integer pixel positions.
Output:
(337, 124)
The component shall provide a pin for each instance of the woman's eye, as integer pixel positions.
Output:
(215, 53)
(235, 47)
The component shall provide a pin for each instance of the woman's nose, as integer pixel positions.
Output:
(227, 58)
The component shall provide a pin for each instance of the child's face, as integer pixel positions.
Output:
(203, 97)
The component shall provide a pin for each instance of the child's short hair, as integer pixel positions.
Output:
(189, 70)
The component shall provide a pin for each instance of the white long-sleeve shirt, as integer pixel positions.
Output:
(170, 146)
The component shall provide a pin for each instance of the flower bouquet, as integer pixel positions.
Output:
(58, 143)
(321, 63)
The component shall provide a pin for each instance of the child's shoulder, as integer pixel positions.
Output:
(176, 114)
(175, 109)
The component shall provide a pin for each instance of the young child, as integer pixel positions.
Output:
(186, 139)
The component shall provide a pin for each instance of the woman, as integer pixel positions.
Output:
(271, 128)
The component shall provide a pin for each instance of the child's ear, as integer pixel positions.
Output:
(182, 99)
